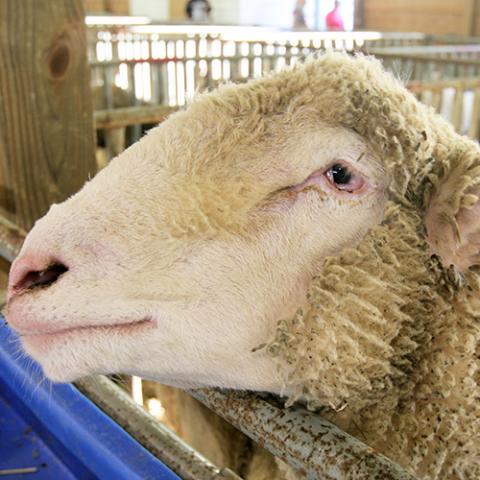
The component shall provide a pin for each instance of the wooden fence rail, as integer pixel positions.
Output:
(169, 69)
(123, 117)
(137, 68)
(457, 100)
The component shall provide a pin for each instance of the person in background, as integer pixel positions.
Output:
(198, 10)
(334, 20)
(299, 15)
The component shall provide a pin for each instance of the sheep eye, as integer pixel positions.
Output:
(342, 178)
(340, 175)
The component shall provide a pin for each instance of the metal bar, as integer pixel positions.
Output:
(158, 439)
(122, 117)
(444, 51)
(18, 471)
(144, 31)
(307, 442)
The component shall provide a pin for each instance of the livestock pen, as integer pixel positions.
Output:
(304, 440)
(150, 66)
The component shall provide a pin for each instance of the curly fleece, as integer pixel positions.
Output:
(388, 347)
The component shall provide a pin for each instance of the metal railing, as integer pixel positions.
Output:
(139, 67)
(164, 68)
(134, 67)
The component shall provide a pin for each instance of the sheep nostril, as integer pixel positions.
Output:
(42, 278)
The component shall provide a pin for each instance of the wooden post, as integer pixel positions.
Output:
(469, 17)
(359, 14)
(177, 9)
(46, 123)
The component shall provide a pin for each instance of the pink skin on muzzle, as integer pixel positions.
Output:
(27, 272)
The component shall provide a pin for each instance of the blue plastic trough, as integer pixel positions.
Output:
(56, 432)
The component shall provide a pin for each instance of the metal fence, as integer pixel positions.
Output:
(140, 80)
(136, 70)
(133, 67)
(167, 69)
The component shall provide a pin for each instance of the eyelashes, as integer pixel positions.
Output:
(338, 177)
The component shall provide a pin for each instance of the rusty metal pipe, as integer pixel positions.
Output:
(311, 445)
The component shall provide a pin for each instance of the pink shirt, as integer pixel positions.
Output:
(334, 20)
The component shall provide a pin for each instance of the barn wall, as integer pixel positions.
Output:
(476, 19)
(429, 16)
(177, 9)
(277, 13)
(107, 6)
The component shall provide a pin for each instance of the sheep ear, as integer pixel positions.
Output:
(453, 223)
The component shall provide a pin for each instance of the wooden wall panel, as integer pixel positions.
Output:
(429, 16)
(476, 21)
(120, 7)
(46, 136)
(177, 9)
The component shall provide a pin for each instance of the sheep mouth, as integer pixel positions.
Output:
(119, 329)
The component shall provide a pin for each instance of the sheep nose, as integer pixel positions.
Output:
(30, 272)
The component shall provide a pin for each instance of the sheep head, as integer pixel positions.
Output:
(272, 235)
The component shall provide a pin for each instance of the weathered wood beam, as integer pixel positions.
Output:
(46, 135)
(469, 14)
(418, 87)
(123, 117)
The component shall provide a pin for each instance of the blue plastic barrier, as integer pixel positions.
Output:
(56, 430)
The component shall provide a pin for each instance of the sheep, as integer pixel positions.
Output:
(312, 234)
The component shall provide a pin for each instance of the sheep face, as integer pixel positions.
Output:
(210, 238)
(305, 230)
(180, 260)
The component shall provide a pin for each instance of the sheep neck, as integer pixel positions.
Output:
(388, 347)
